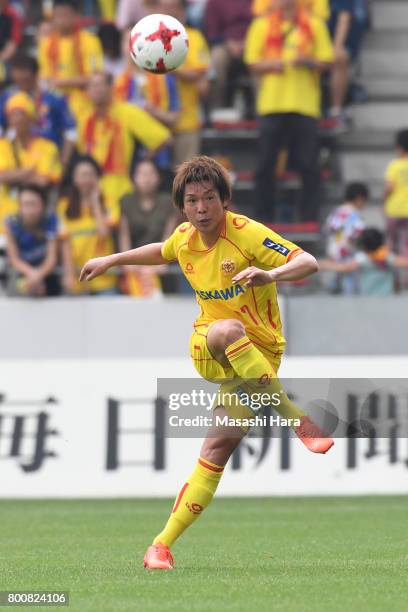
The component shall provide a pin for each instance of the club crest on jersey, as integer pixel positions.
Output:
(275, 246)
(228, 266)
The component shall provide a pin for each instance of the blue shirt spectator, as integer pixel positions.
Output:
(54, 119)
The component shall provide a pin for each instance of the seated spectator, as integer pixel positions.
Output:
(108, 130)
(287, 50)
(344, 226)
(226, 24)
(54, 120)
(11, 34)
(69, 54)
(24, 158)
(396, 197)
(374, 263)
(146, 216)
(319, 8)
(155, 93)
(87, 219)
(111, 41)
(31, 237)
(192, 78)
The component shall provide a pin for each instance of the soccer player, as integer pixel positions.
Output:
(233, 263)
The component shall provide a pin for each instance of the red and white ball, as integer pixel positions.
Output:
(158, 43)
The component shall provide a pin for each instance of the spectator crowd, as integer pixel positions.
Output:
(89, 143)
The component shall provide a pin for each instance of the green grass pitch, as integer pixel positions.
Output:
(260, 554)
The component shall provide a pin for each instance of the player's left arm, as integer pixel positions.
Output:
(300, 266)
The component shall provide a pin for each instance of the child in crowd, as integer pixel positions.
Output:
(343, 228)
(374, 263)
(32, 247)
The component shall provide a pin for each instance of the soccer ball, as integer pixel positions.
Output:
(158, 43)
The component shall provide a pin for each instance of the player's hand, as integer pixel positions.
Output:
(95, 267)
(254, 277)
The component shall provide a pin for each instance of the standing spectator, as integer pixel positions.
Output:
(11, 33)
(31, 237)
(54, 120)
(373, 262)
(108, 130)
(69, 55)
(192, 78)
(344, 226)
(87, 219)
(287, 50)
(24, 158)
(155, 93)
(396, 197)
(146, 216)
(226, 24)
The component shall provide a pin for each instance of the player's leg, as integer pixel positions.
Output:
(196, 493)
(228, 343)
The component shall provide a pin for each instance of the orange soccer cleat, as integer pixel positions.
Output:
(158, 556)
(313, 437)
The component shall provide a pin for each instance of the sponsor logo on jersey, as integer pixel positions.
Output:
(228, 266)
(240, 222)
(189, 268)
(221, 294)
(275, 246)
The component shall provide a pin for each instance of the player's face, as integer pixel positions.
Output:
(203, 207)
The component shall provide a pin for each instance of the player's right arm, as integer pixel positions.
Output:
(148, 255)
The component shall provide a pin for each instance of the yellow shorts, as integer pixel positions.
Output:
(210, 369)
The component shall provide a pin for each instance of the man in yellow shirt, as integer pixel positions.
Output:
(287, 50)
(193, 84)
(108, 130)
(69, 55)
(24, 158)
(320, 8)
(396, 198)
(232, 263)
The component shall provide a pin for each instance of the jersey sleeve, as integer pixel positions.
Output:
(145, 128)
(172, 245)
(267, 248)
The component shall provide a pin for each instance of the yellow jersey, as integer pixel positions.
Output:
(110, 139)
(86, 243)
(396, 204)
(243, 242)
(41, 154)
(296, 89)
(320, 8)
(198, 58)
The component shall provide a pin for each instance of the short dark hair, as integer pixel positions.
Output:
(39, 191)
(110, 37)
(199, 170)
(108, 76)
(356, 190)
(371, 239)
(25, 62)
(402, 140)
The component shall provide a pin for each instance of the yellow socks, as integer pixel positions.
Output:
(253, 367)
(195, 495)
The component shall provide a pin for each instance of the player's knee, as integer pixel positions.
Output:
(232, 331)
(219, 450)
